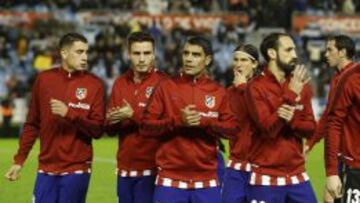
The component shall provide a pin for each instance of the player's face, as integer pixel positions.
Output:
(286, 54)
(142, 56)
(194, 60)
(332, 54)
(75, 56)
(243, 64)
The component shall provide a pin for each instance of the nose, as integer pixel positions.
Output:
(188, 58)
(85, 57)
(142, 57)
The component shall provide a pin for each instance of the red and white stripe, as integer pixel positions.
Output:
(168, 182)
(135, 173)
(266, 180)
(64, 173)
(240, 166)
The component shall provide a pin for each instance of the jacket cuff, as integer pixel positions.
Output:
(205, 122)
(290, 96)
(177, 122)
(19, 161)
(294, 120)
(331, 171)
(71, 115)
(135, 118)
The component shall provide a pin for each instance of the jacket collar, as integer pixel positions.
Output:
(347, 67)
(130, 74)
(70, 74)
(189, 78)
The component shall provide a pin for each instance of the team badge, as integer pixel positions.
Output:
(210, 101)
(81, 93)
(149, 91)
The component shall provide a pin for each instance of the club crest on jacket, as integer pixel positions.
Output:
(209, 101)
(149, 91)
(81, 93)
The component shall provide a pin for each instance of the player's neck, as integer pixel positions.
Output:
(139, 77)
(343, 64)
(276, 71)
(67, 68)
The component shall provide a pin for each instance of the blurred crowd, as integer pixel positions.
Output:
(255, 7)
(261, 12)
(24, 53)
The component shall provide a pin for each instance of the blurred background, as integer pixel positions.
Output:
(30, 29)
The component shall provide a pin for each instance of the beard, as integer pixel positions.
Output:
(287, 67)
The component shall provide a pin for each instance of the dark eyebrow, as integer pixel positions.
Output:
(196, 53)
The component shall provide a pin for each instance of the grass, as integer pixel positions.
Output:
(103, 180)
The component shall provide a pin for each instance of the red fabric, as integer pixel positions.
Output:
(241, 143)
(322, 125)
(65, 143)
(135, 152)
(277, 145)
(188, 153)
(343, 122)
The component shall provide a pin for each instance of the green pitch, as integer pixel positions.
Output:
(103, 180)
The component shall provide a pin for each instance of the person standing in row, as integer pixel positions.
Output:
(188, 114)
(67, 110)
(237, 175)
(279, 102)
(333, 45)
(342, 136)
(136, 167)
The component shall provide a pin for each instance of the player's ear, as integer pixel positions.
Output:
(208, 60)
(272, 53)
(342, 53)
(255, 64)
(63, 53)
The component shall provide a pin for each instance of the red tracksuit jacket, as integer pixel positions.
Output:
(188, 153)
(322, 125)
(65, 143)
(241, 143)
(135, 152)
(344, 122)
(277, 145)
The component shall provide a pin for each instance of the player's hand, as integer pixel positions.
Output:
(118, 114)
(13, 173)
(58, 107)
(239, 78)
(190, 117)
(327, 197)
(333, 186)
(286, 112)
(300, 77)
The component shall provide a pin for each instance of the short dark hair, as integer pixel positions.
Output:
(271, 41)
(140, 36)
(70, 38)
(203, 42)
(249, 49)
(344, 42)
